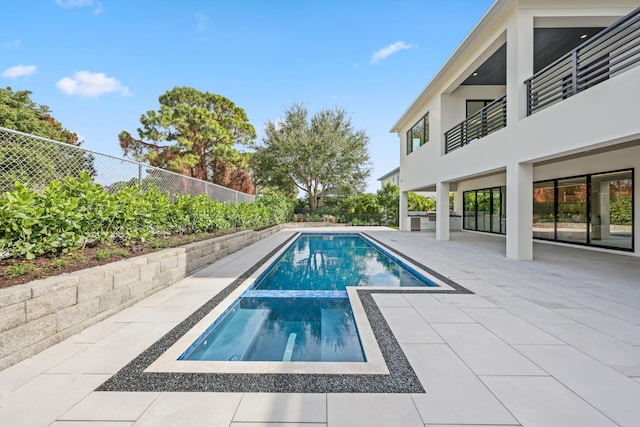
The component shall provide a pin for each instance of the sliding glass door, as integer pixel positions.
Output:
(484, 210)
(595, 210)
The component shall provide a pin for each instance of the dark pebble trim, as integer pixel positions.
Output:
(401, 378)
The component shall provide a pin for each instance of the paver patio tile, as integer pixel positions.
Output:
(509, 327)
(607, 390)
(434, 311)
(371, 410)
(91, 424)
(390, 300)
(464, 301)
(605, 323)
(618, 355)
(483, 352)
(190, 409)
(484, 288)
(43, 399)
(528, 310)
(615, 309)
(453, 393)
(544, 402)
(545, 299)
(278, 425)
(420, 332)
(110, 406)
(282, 407)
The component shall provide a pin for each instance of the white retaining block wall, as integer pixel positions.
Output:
(36, 315)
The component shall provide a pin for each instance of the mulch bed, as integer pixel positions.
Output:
(18, 271)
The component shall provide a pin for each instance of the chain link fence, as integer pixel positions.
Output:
(35, 161)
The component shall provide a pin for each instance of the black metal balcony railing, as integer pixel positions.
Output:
(612, 51)
(488, 120)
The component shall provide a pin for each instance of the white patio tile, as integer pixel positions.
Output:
(605, 323)
(390, 300)
(528, 310)
(23, 372)
(40, 401)
(454, 395)
(463, 301)
(484, 288)
(277, 425)
(618, 355)
(615, 309)
(544, 402)
(509, 327)
(91, 424)
(434, 311)
(483, 352)
(609, 391)
(408, 326)
(371, 410)
(109, 355)
(110, 406)
(282, 407)
(545, 299)
(190, 409)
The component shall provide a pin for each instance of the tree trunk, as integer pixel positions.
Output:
(313, 201)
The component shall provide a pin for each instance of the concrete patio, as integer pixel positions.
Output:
(549, 342)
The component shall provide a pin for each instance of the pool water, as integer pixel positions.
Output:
(298, 309)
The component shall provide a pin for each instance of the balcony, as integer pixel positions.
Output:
(612, 51)
(491, 118)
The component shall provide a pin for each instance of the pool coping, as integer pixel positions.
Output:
(400, 377)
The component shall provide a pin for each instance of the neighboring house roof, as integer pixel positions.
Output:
(387, 175)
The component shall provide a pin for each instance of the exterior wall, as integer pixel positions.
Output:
(599, 119)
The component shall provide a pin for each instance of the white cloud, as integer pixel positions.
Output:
(19, 71)
(68, 4)
(202, 22)
(91, 85)
(11, 44)
(389, 50)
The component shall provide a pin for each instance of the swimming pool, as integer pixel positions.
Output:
(298, 309)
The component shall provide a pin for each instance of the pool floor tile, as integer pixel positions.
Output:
(372, 410)
(282, 407)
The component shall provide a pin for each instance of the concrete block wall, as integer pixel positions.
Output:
(36, 315)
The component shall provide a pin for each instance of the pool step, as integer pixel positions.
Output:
(288, 352)
(254, 293)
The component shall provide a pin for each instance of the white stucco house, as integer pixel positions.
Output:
(390, 177)
(534, 124)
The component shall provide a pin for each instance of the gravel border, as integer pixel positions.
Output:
(401, 378)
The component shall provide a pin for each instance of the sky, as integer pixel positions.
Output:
(100, 65)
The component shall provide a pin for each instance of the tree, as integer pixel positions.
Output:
(19, 112)
(418, 202)
(389, 201)
(194, 133)
(31, 161)
(317, 155)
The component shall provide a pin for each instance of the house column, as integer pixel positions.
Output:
(442, 211)
(403, 219)
(520, 211)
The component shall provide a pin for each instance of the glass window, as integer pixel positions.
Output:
(611, 213)
(595, 210)
(475, 105)
(571, 225)
(418, 135)
(469, 210)
(484, 210)
(544, 224)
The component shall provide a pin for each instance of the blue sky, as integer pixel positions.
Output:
(99, 65)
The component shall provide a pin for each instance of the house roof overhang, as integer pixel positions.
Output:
(494, 15)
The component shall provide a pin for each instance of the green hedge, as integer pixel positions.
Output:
(71, 214)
